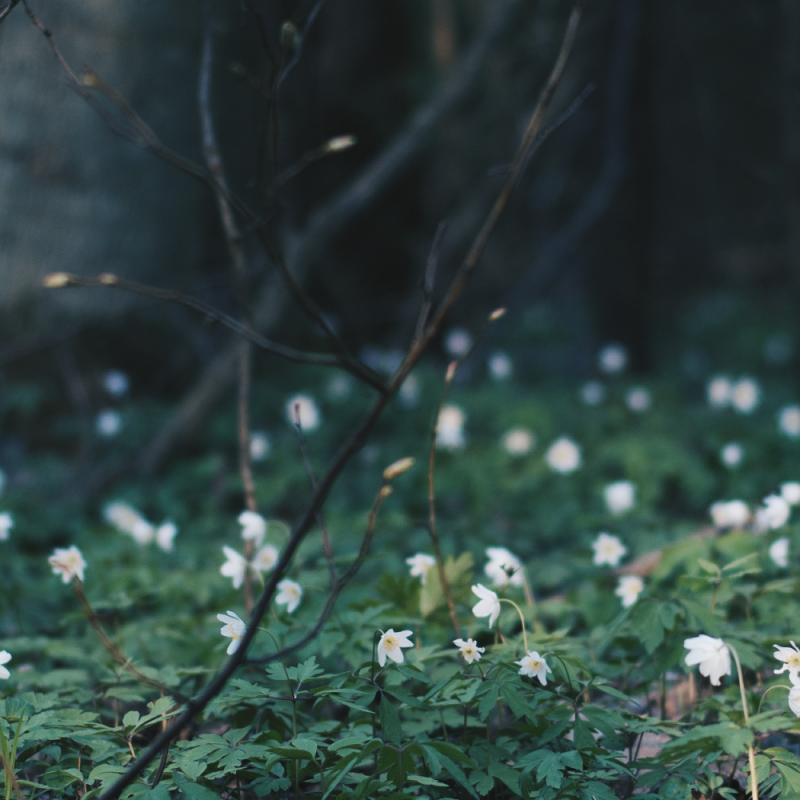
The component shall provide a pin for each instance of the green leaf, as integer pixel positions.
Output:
(509, 776)
(425, 781)
(517, 703)
(646, 624)
(131, 719)
(488, 702)
(390, 721)
(193, 791)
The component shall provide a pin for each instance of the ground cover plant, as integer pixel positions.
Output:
(383, 576)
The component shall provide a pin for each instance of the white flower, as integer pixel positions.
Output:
(108, 423)
(518, 441)
(711, 654)
(608, 550)
(128, 520)
(628, 589)
(303, 407)
(500, 366)
(68, 563)
(289, 594)
(794, 695)
(564, 456)
(731, 455)
(165, 536)
(143, 532)
(729, 514)
(235, 567)
(339, 387)
(773, 514)
(719, 391)
(408, 395)
(390, 645)
(489, 604)
(450, 428)
(790, 657)
(6, 524)
(234, 628)
(266, 558)
(534, 666)
(458, 342)
(259, 446)
(504, 567)
(745, 396)
(593, 393)
(420, 564)
(254, 527)
(5, 657)
(638, 399)
(115, 382)
(612, 359)
(789, 421)
(469, 650)
(790, 492)
(620, 497)
(779, 552)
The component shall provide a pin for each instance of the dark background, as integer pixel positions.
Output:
(664, 212)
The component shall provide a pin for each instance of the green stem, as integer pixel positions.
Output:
(779, 686)
(751, 753)
(521, 619)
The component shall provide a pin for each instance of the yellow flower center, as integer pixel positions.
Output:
(534, 664)
(794, 661)
(232, 633)
(469, 650)
(389, 643)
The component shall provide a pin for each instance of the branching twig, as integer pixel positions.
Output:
(351, 446)
(428, 280)
(6, 10)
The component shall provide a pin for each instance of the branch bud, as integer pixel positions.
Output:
(290, 36)
(55, 280)
(398, 468)
(108, 279)
(385, 492)
(340, 143)
(496, 314)
(451, 371)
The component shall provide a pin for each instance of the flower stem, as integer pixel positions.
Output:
(521, 619)
(751, 753)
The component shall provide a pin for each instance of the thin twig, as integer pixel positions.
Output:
(8, 8)
(301, 41)
(428, 280)
(351, 446)
(327, 546)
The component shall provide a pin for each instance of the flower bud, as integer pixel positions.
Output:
(496, 314)
(340, 143)
(398, 468)
(55, 280)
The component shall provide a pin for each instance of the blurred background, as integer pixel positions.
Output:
(662, 211)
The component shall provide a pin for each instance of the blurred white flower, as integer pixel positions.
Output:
(450, 428)
(729, 514)
(628, 589)
(469, 650)
(122, 515)
(711, 654)
(504, 567)
(779, 552)
(773, 514)
(745, 396)
(390, 645)
(260, 446)
(488, 605)
(731, 455)
(790, 492)
(794, 695)
(408, 395)
(68, 563)
(108, 423)
(638, 399)
(564, 456)
(608, 549)
(303, 407)
(420, 564)
(518, 441)
(789, 421)
(116, 383)
(266, 558)
(254, 527)
(593, 393)
(143, 532)
(534, 666)
(790, 656)
(612, 359)
(165, 536)
(289, 594)
(500, 366)
(457, 342)
(719, 392)
(620, 497)
(235, 567)
(5, 657)
(339, 387)
(6, 524)
(234, 629)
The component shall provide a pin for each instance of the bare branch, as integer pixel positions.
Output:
(428, 280)
(351, 446)
(301, 41)
(6, 10)
(59, 280)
